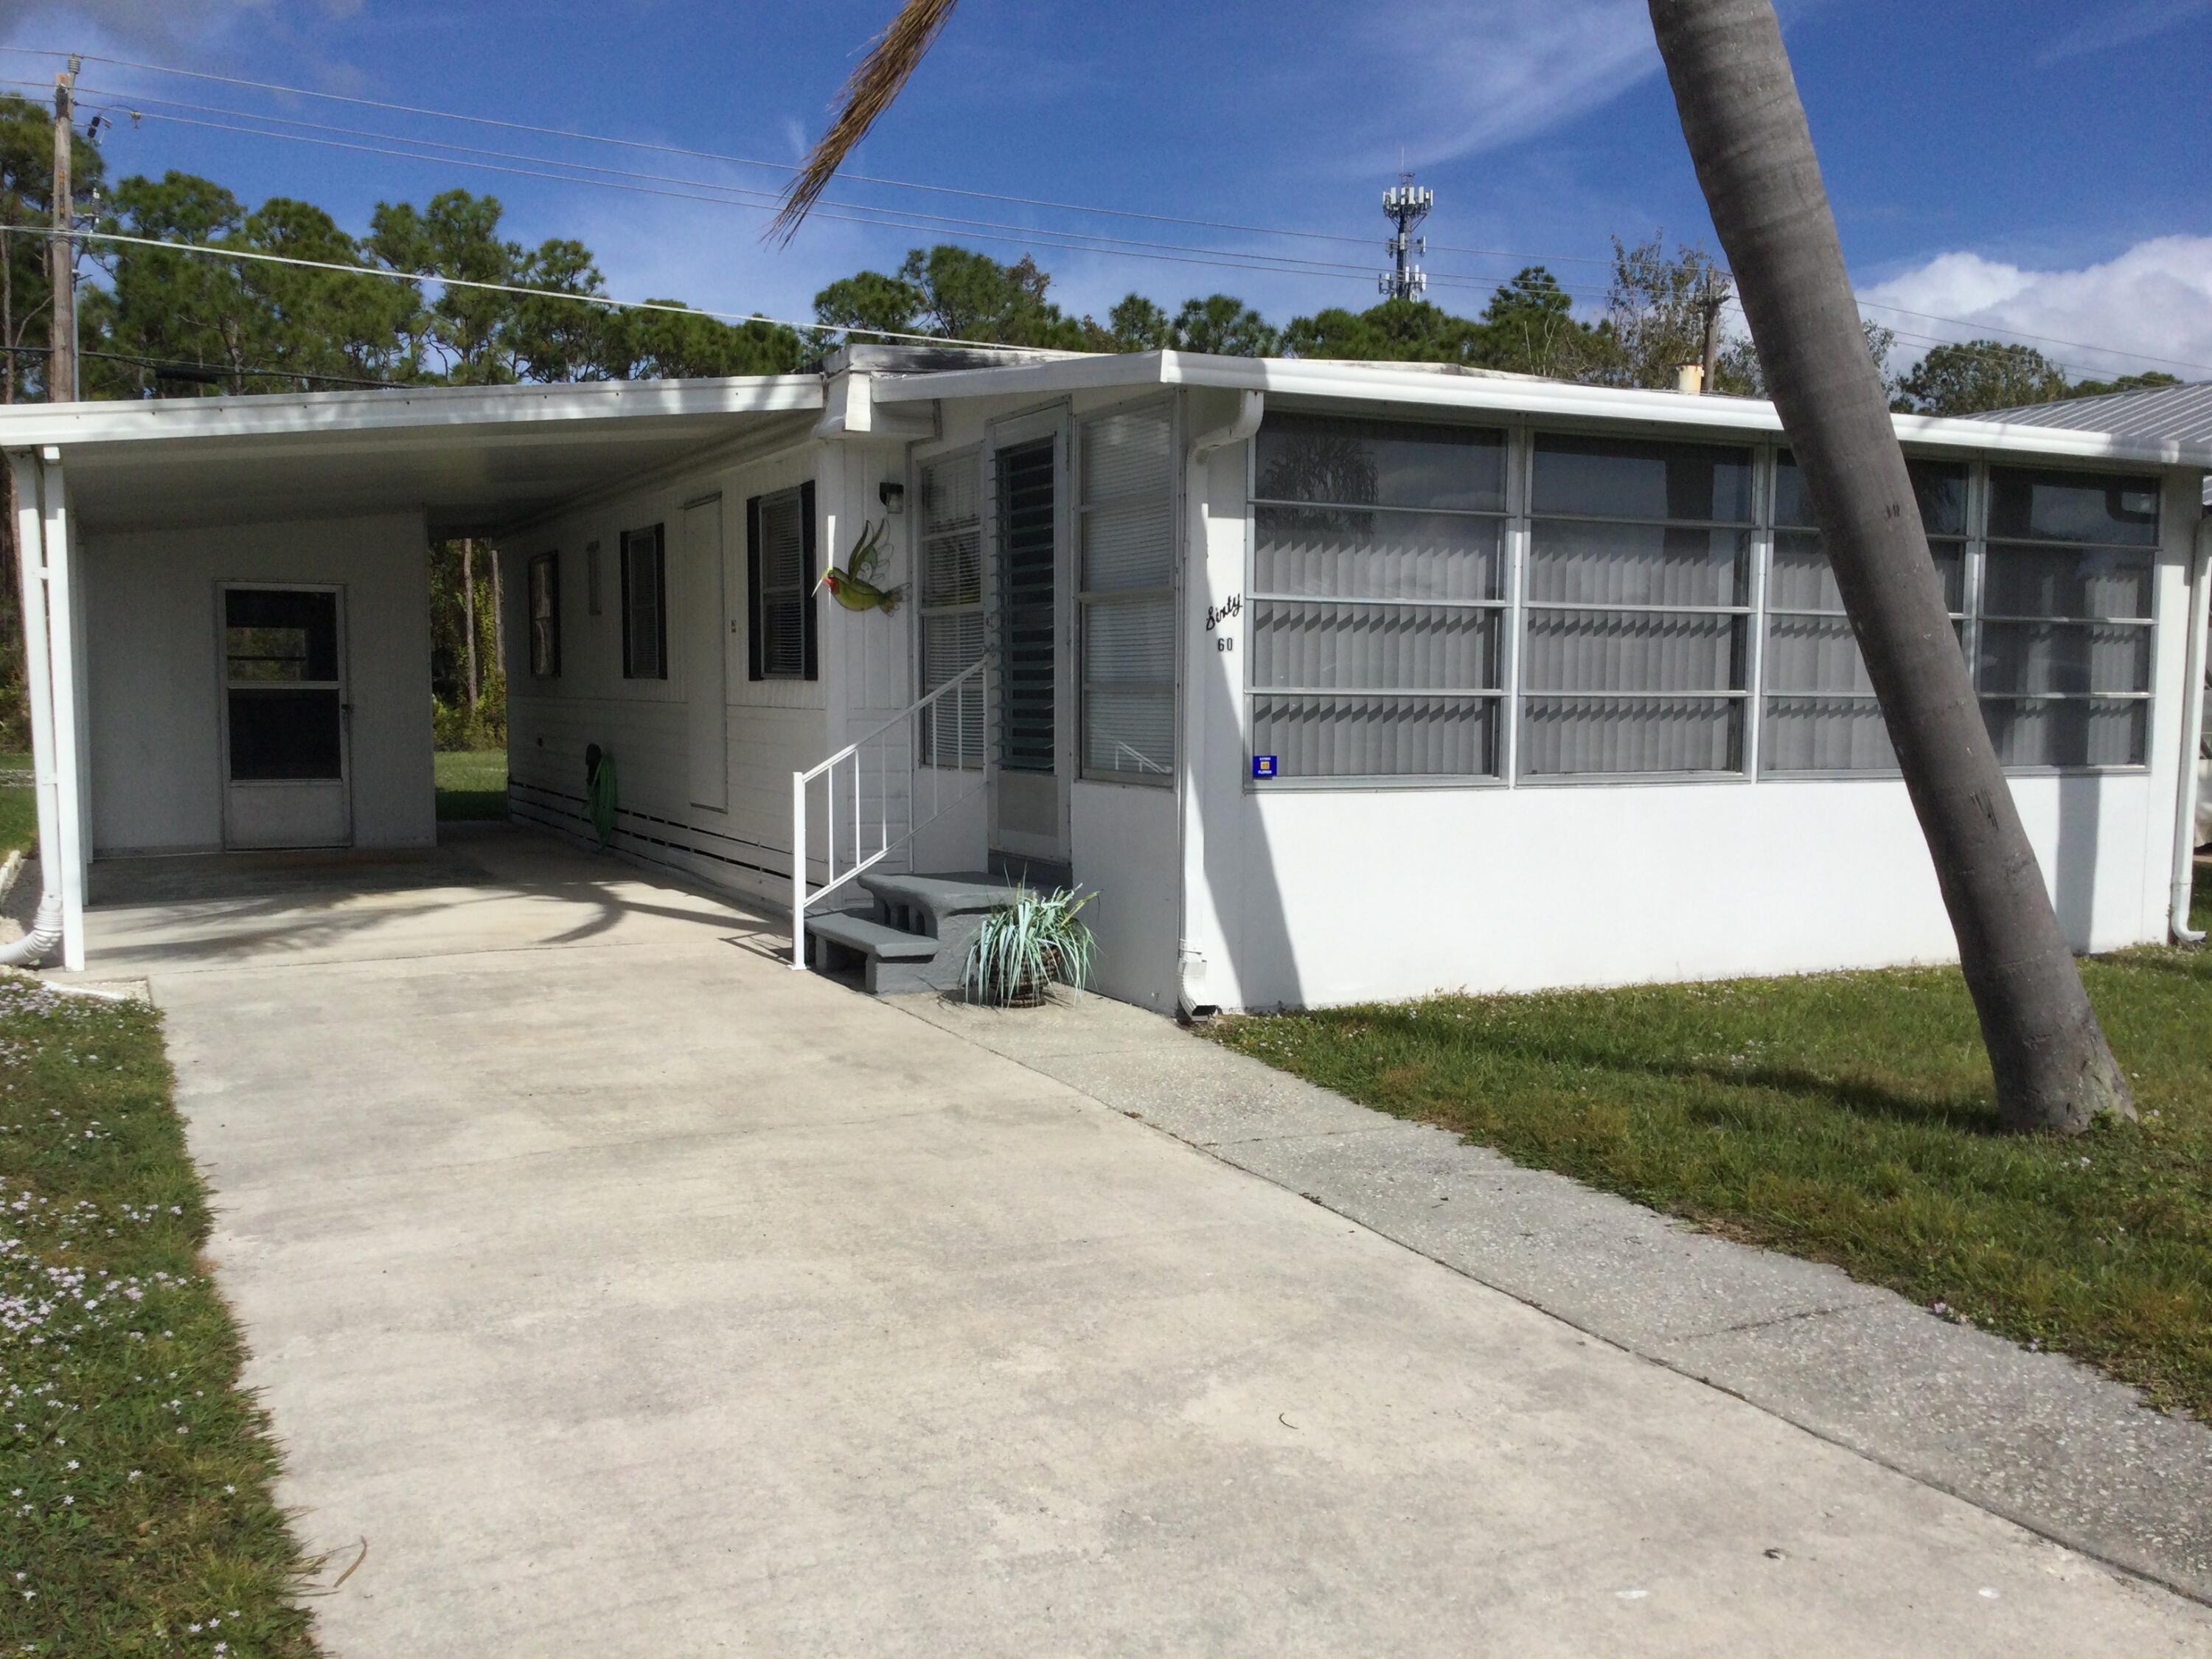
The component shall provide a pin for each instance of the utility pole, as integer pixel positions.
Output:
(61, 357)
(1405, 204)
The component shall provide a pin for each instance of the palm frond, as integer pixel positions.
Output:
(898, 51)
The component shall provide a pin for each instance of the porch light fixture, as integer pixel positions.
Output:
(893, 496)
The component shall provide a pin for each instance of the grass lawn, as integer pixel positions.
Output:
(471, 783)
(1845, 1117)
(137, 1516)
(18, 814)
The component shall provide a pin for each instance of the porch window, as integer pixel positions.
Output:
(1820, 713)
(1638, 608)
(1378, 600)
(545, 615)
(2064, 653)
(1125, 523)
(951, 606)
(779, 585)
(645, 603)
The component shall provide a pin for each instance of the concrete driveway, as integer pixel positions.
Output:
(630, 1294)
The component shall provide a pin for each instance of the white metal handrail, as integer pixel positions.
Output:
(872, 837)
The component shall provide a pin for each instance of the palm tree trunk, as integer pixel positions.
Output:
(1754, 151)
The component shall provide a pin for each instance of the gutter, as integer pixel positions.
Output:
(1190, 964)
(2192, 725)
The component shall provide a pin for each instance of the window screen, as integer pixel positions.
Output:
(779, 585)
(1127, 526)
(1820, 712)
(645, 603)
(284, 699)
(1378, 598)
(951, 608)
(2064, 652)
(545, 615)
(1637, 608)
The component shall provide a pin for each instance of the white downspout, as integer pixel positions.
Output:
(2192, 725)
(30, 563)
(1190, 966)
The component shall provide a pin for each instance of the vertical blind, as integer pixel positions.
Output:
(1820, 711)
(1639, 603)
(2063, 665)
(951, 607)
(1126, 510)
(645, 604)
(1380, 609)
(1378, 594)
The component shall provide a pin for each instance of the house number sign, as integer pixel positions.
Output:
(1217, 621)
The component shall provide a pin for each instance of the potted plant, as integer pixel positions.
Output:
(1024, 946)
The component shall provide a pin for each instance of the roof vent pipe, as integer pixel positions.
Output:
(1690, 379)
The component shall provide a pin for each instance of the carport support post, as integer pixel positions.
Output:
(49, 654)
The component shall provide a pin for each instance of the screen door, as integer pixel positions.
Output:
(285, 718)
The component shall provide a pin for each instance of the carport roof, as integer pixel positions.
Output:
(473, 458)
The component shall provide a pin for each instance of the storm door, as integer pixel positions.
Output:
(285, 718)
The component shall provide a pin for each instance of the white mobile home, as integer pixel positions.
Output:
(1333, 680)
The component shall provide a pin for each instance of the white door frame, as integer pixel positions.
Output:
(1055, 424)
(233, 837)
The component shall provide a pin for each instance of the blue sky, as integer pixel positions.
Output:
(2027, 165)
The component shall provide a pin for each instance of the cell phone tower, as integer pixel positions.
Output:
(1405, 204)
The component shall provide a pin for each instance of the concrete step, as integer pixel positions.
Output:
(870, 939)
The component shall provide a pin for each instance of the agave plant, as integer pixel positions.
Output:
(1025, 946)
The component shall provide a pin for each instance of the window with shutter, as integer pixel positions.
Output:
(645, 603)
(780, 586)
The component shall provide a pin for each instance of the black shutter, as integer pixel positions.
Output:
(626, 623)
(660, 601)
(752, 589)
(808, 599)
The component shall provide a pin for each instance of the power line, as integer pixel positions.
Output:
(179, 370)
(733, 195)
(604, 301)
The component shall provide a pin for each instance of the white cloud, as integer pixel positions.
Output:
(81, 24)
(2124, 27)
(2149, 308)
(1452, 79)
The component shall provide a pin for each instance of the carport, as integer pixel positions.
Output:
(225, 599)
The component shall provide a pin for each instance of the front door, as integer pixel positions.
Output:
(706, 655)
(285, 718)
(1035, 713)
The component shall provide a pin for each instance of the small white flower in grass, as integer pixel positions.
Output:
(231, 1489)
(134, 1474)
(72, 1463)
(66, 1499)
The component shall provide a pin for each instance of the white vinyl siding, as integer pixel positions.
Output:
(1126, 531)
(950, 606)
(1378, 599)
(1638, 608)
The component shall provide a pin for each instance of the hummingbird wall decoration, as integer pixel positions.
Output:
(852, 584)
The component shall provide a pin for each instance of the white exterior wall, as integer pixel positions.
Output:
(774, 727)
(154, 675)
(1321, 895)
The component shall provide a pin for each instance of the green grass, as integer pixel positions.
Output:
(19, 821)
(1848, 1118)
(137, 1516)
(471, 783)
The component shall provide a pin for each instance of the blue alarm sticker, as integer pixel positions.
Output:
(1263, 766)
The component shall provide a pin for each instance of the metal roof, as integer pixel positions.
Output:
(2182, 413)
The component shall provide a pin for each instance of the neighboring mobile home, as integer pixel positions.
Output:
(1333, 680)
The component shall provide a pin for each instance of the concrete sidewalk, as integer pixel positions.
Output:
(630, 1294)
(2033, 1437)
